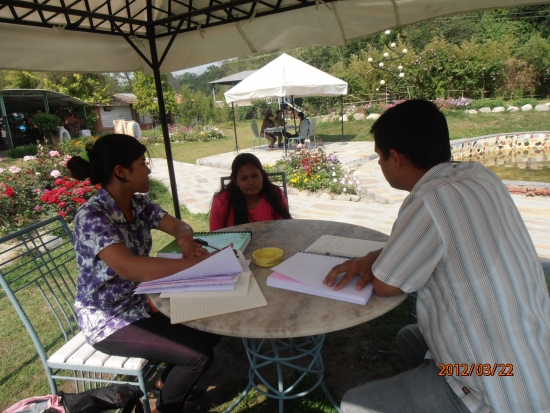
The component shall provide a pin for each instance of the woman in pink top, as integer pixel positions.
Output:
(249, 197)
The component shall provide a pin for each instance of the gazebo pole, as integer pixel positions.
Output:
(162, 115)
(4, 114)
(342, 117)
(235, 128)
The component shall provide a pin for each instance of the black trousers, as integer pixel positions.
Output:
(187, 351)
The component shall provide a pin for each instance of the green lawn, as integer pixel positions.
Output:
(461, 126)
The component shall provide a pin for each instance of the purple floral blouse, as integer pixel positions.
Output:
(104, 301)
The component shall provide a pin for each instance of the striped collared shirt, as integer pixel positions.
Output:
(460, 242)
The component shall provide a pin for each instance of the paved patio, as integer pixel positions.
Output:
(377, 209)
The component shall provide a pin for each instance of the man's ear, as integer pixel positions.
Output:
(397, 159)
(119, 171)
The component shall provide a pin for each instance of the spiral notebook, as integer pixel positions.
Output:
(343, 247)
(239, 239)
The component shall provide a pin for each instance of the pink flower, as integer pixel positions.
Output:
(55, 173)
(54, 153)
(63, 163)
(28, 158)
(14, 169)
(67, 157)
(37, 208)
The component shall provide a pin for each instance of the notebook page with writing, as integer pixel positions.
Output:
(241, 289)
(195, 308)
(343, 247)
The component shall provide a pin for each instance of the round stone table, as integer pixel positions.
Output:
(288, 313)
(302, 319)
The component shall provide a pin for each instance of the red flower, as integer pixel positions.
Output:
(10, 192)
(52, 199)
(58, 181)
(44, 198)
(62, 213)
(62, 204)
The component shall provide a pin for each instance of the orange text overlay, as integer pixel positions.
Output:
(477, 369)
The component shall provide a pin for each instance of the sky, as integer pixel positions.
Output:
(197, 70)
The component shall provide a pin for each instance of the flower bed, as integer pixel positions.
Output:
(39, 186)
(315, 171)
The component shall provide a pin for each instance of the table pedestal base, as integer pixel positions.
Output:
(296, 356)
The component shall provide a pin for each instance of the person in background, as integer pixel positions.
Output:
(303, 133)
(268, 123)
(112, 242)
(279, 121)
(249, 197)
(482, 342)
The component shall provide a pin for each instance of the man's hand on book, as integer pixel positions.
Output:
(359, 266)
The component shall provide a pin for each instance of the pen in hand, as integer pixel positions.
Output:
(205, 244)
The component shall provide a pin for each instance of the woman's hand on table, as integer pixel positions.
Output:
(189, 247)
(359, 266)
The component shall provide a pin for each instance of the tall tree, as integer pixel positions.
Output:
(146, 95)
(91, 88)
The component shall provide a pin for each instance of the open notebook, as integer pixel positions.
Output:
(305, 271)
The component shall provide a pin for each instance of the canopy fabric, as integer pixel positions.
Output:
(287, 76)
(233, 79)
(115, 35)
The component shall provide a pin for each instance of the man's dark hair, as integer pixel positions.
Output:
(416, 129)
(301, 115)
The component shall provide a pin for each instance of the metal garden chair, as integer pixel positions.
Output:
(39, 262)
(257, 136)
(313, 131)
(278, 178)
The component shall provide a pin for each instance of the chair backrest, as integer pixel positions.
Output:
(255, 129)
(39, 262)
(313, 127)
(278, 178)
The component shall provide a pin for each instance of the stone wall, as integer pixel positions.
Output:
(525, 150)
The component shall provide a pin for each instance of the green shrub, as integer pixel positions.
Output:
(525, 101)
(20, 151)
(483, 103)
(47, 122)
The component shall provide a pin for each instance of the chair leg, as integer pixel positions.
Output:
(145, 398)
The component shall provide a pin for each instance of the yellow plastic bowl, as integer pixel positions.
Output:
(267, 257)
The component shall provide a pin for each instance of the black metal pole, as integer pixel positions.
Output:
(235, 128)
(162, 116)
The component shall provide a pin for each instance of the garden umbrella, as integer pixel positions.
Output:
(129, 35)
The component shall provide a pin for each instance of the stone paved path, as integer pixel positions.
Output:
(377, 209)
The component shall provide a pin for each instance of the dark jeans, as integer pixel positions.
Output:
(187, 351)
(279, 136)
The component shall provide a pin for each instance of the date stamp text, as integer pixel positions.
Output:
(478, 369)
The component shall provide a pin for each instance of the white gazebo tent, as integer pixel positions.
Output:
(287, 76)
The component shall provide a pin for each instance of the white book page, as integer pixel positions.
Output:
(308, 268)
(194, 308)
(344, 247)
(241, 289)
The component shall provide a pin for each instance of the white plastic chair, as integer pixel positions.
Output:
(39, 262)
(256, 133)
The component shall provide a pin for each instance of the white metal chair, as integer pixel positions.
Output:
(312, 133)
(257, 136)
(298, 139)
(39, 261)
(278, 178)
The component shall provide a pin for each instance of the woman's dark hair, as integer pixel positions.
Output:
(268, 115)
(104, 154)
(301, 115)
(237, 201)
(416, 129)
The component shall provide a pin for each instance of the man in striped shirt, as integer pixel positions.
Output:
(482, 342)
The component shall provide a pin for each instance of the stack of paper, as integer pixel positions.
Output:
(218, 272)
(305, 271)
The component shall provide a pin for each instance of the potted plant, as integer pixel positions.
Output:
(48, 124)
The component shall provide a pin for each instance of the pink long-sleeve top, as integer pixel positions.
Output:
(220, 219)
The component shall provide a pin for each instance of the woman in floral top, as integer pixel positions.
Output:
(112, 242)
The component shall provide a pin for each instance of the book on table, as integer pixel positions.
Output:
(305, 271)
(239, 239)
